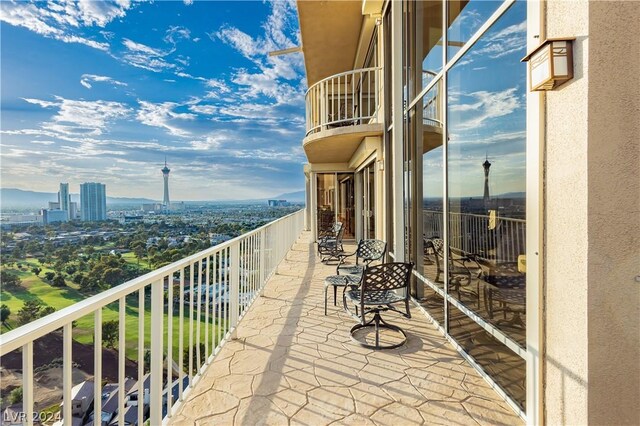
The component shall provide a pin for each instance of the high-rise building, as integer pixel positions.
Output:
(64, 198)
(93, 201)
(73, 210)
(486, 165)
(165, 174)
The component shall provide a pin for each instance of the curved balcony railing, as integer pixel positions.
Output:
(431, 103)
(346, 99)
(241, 267)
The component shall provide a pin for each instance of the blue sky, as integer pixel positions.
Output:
(103, 91)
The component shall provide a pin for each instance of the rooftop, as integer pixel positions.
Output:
(290, 364)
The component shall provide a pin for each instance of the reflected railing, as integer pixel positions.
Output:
(431, 103)
(346, 99)
(501, 238)
(210, 291)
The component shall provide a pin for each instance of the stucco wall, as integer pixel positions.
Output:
(566, 236)
(592, 198)
(614, 213)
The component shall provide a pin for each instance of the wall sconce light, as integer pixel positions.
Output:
(550, 64)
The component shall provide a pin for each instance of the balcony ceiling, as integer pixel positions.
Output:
(330, 32)
(337, 145)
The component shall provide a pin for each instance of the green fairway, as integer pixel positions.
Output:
(34, 287)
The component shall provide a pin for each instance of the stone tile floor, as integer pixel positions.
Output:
(292, 365)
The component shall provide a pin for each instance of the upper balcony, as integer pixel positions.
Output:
(340, 111)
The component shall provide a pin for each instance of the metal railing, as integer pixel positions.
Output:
(344, 99)
(503, 241)
(242, 266)
(431, 103)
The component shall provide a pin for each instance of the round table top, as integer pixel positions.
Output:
(341, 280)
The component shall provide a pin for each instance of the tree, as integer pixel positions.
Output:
(36, 270)
(30, 311)
(109, 333)
(9, 279)
(4, 314)
(112, 276)
(46, 311)
(49, 275)
(15, 397)
(58, 281)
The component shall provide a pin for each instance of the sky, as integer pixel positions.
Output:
(104, 91)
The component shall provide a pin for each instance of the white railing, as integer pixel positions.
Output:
(431, 103)
(242, 266)
(471, 233)
(345, 99)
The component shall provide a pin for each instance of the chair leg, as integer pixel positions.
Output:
(335, 295)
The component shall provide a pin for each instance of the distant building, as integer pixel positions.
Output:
(73, 210)
(21, 219)
(81, 399)
(131, 219)
(54, 205)
(64, 199)
(152, 207)
(277, 203)
(93, 201)
(53, 216)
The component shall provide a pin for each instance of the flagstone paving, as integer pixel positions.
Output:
(292, 365)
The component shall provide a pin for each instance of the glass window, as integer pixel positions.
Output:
(346, 210)
(326, 201)
(486, 184)
(465, 18)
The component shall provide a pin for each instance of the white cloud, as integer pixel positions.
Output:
(488, 105)
(188, 2)
(163, 115)
(64, 20)
(81, 117)
(86, 80)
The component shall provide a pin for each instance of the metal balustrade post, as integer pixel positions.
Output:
(234, 290)
(27, 382)
(157, 314)
(263, 261)
(67, 379)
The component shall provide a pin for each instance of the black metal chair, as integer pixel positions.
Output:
(330, 243)
(377, 294)
(367, 251)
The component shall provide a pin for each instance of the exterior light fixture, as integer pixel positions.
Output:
(550, 64)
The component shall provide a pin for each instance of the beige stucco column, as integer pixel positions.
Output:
(592, 219)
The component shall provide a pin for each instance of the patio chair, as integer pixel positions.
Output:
(367, 251)
(376, 294)
(330, 243)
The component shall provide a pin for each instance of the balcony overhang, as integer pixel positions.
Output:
(431, 138)
(338, 145)
(330, 32)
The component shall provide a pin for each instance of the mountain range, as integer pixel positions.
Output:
(18, 198)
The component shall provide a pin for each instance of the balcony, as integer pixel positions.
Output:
(341, 110)
(267, 354)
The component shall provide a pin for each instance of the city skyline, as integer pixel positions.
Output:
(110, 89)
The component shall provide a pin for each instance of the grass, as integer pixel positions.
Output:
(35, 287)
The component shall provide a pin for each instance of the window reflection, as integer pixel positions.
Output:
(486, 184)
(465, 18)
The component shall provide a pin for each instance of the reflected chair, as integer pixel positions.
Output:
(367, 251)
(379, 292)
(461, 265)
(330, 242)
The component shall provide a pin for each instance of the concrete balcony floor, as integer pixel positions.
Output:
(291, 364)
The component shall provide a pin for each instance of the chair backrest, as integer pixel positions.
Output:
(387, 276)
(370, 250)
